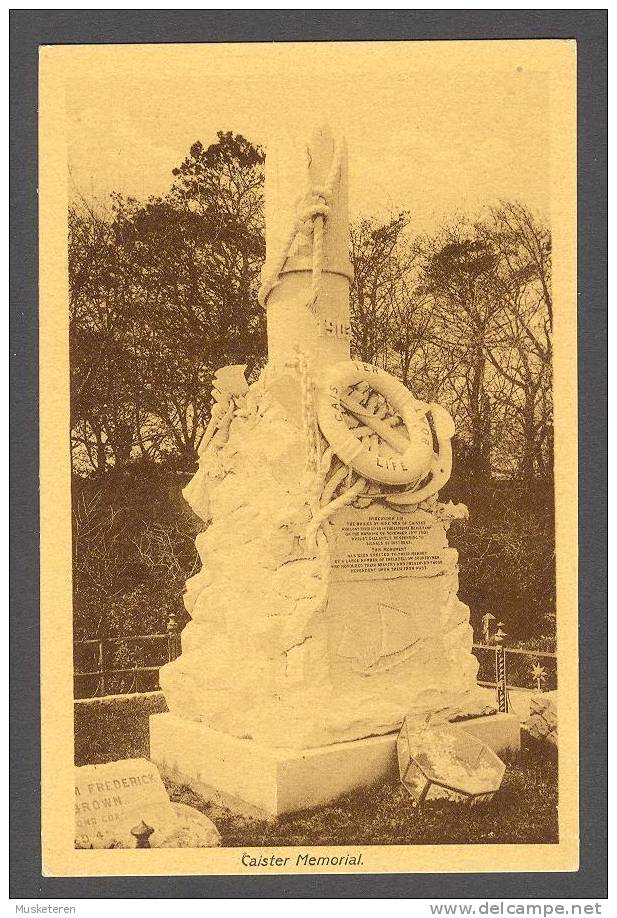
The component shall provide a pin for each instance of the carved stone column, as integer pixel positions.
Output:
(294, 178)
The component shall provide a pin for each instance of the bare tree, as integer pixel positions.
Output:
(491, 333)
(379, 264)
(458, 276)
(522, 352)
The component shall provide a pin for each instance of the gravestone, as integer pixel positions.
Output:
(115, 798)
(112, 798)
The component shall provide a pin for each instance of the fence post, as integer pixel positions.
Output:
(173, 638)
(101, 666)
(486, 627)
(500, 670)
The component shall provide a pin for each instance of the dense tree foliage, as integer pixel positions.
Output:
(162, 293)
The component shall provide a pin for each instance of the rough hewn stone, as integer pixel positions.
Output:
(541, 723)
(262, 656)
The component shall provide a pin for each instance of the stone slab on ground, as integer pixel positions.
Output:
(541, 723)
(277, 781)
(113, 798)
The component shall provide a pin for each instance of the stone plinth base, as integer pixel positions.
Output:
(276, 781)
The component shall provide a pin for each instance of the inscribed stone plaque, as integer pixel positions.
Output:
(380, 543)
(111, 799)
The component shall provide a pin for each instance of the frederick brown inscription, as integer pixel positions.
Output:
(111, 798)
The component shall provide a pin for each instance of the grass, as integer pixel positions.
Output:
(523, 812)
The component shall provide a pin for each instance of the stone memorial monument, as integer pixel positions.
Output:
(326, 608)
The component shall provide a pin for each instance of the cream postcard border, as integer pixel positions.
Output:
(558, 59)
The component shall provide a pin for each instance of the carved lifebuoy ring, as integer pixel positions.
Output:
(441, 464)
(414, 456)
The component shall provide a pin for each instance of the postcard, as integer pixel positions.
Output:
(308, 398)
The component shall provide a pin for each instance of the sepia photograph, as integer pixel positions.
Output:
(309, 356)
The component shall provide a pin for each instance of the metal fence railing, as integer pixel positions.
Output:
(528, 670)
(120, 665)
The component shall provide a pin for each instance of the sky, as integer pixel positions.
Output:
(435, 128)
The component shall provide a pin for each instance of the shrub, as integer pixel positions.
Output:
(133, 549)
(507, 558)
